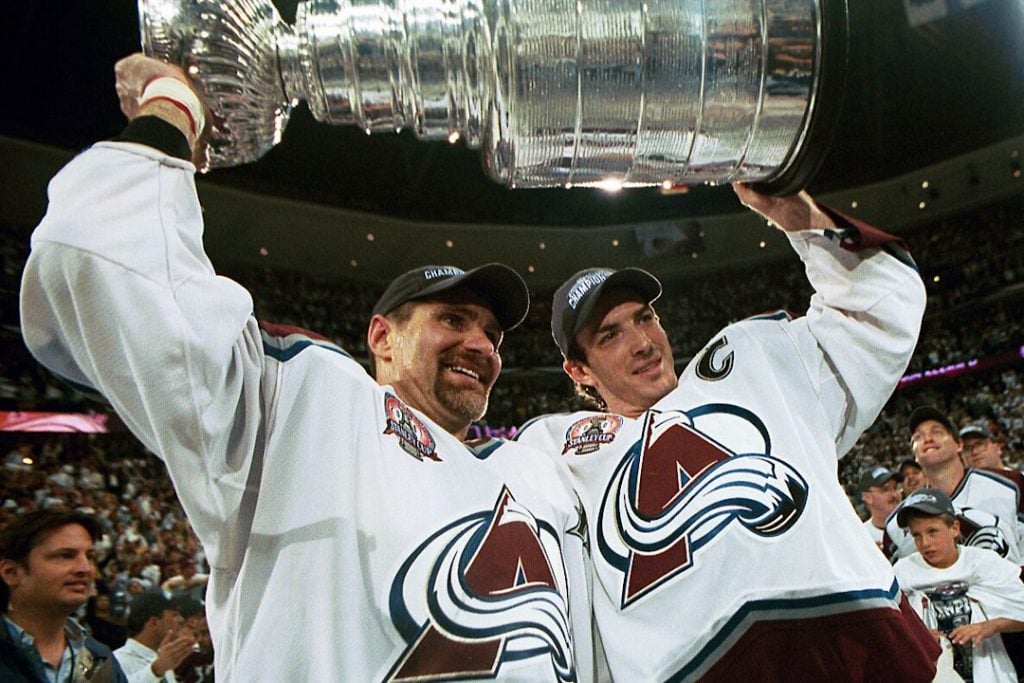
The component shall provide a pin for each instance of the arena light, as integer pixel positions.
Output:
(610, 185)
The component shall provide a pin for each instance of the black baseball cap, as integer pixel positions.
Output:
(909, 462)
(924, 413)
(497, 284)
(574, 301)
(876, 476)
(927, 500)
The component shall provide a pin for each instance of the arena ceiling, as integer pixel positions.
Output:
(915, 96)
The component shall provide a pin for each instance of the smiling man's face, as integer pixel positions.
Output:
(934, 445)
(441, 356)
(628, 355)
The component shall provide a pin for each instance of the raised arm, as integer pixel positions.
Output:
(865, 315)
(119, 297)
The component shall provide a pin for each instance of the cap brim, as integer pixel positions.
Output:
(893, 476)
(497, 284)
(927, 508)
(925, 413)
(628, 278)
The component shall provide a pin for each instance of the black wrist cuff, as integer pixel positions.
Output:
(154, 132)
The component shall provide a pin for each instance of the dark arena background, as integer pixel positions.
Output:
(929, 144)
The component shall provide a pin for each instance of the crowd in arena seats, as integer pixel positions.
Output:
(975, 307)
(146, 544)
(973, 267)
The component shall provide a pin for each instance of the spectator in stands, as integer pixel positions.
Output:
(987, 504)
(913, 476)
(880, 491)
(980, 448)
(188, 580)
(157, 644)
(967, 594)
(46, 574)
(198, 666)
(103, 624)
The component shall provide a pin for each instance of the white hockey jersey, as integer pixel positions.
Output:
(350, 538)
(720, 507)
(988, 505)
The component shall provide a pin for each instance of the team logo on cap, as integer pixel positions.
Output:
(413, 436)
(588, 434)
(584, 285)
(678, 488)
(487, 589)
(915, 499)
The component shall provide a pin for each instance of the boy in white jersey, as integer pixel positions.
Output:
(723, 545)
(351, 534)
(966, 594)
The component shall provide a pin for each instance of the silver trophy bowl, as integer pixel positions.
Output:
(554, 92)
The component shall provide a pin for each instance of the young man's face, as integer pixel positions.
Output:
(934, 445)
(881, 500)
(913, 479)
(982, 452)
(628, 355)
(444, 359)
(57, 576)
(935, 540)
(170, 621)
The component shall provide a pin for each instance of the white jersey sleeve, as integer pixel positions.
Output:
(127, 304)
(865, 317)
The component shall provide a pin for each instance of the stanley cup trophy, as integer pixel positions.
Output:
(952, 607)
(554, 92)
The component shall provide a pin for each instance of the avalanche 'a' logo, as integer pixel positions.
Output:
(677, 488)
(481, 592)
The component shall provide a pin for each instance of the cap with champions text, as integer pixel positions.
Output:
(500, 286)
(876, 476)
(575, 299)
(924, 413)
(929, 501)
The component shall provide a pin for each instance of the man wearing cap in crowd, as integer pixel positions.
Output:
(880, 491)
(981, 449)
(968, 594)
(913, 476)
(989, 504)
(713, 496)
(351, 534)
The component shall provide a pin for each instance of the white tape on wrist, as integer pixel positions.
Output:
(167, 88)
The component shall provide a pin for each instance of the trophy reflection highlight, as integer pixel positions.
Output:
(554, 92)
